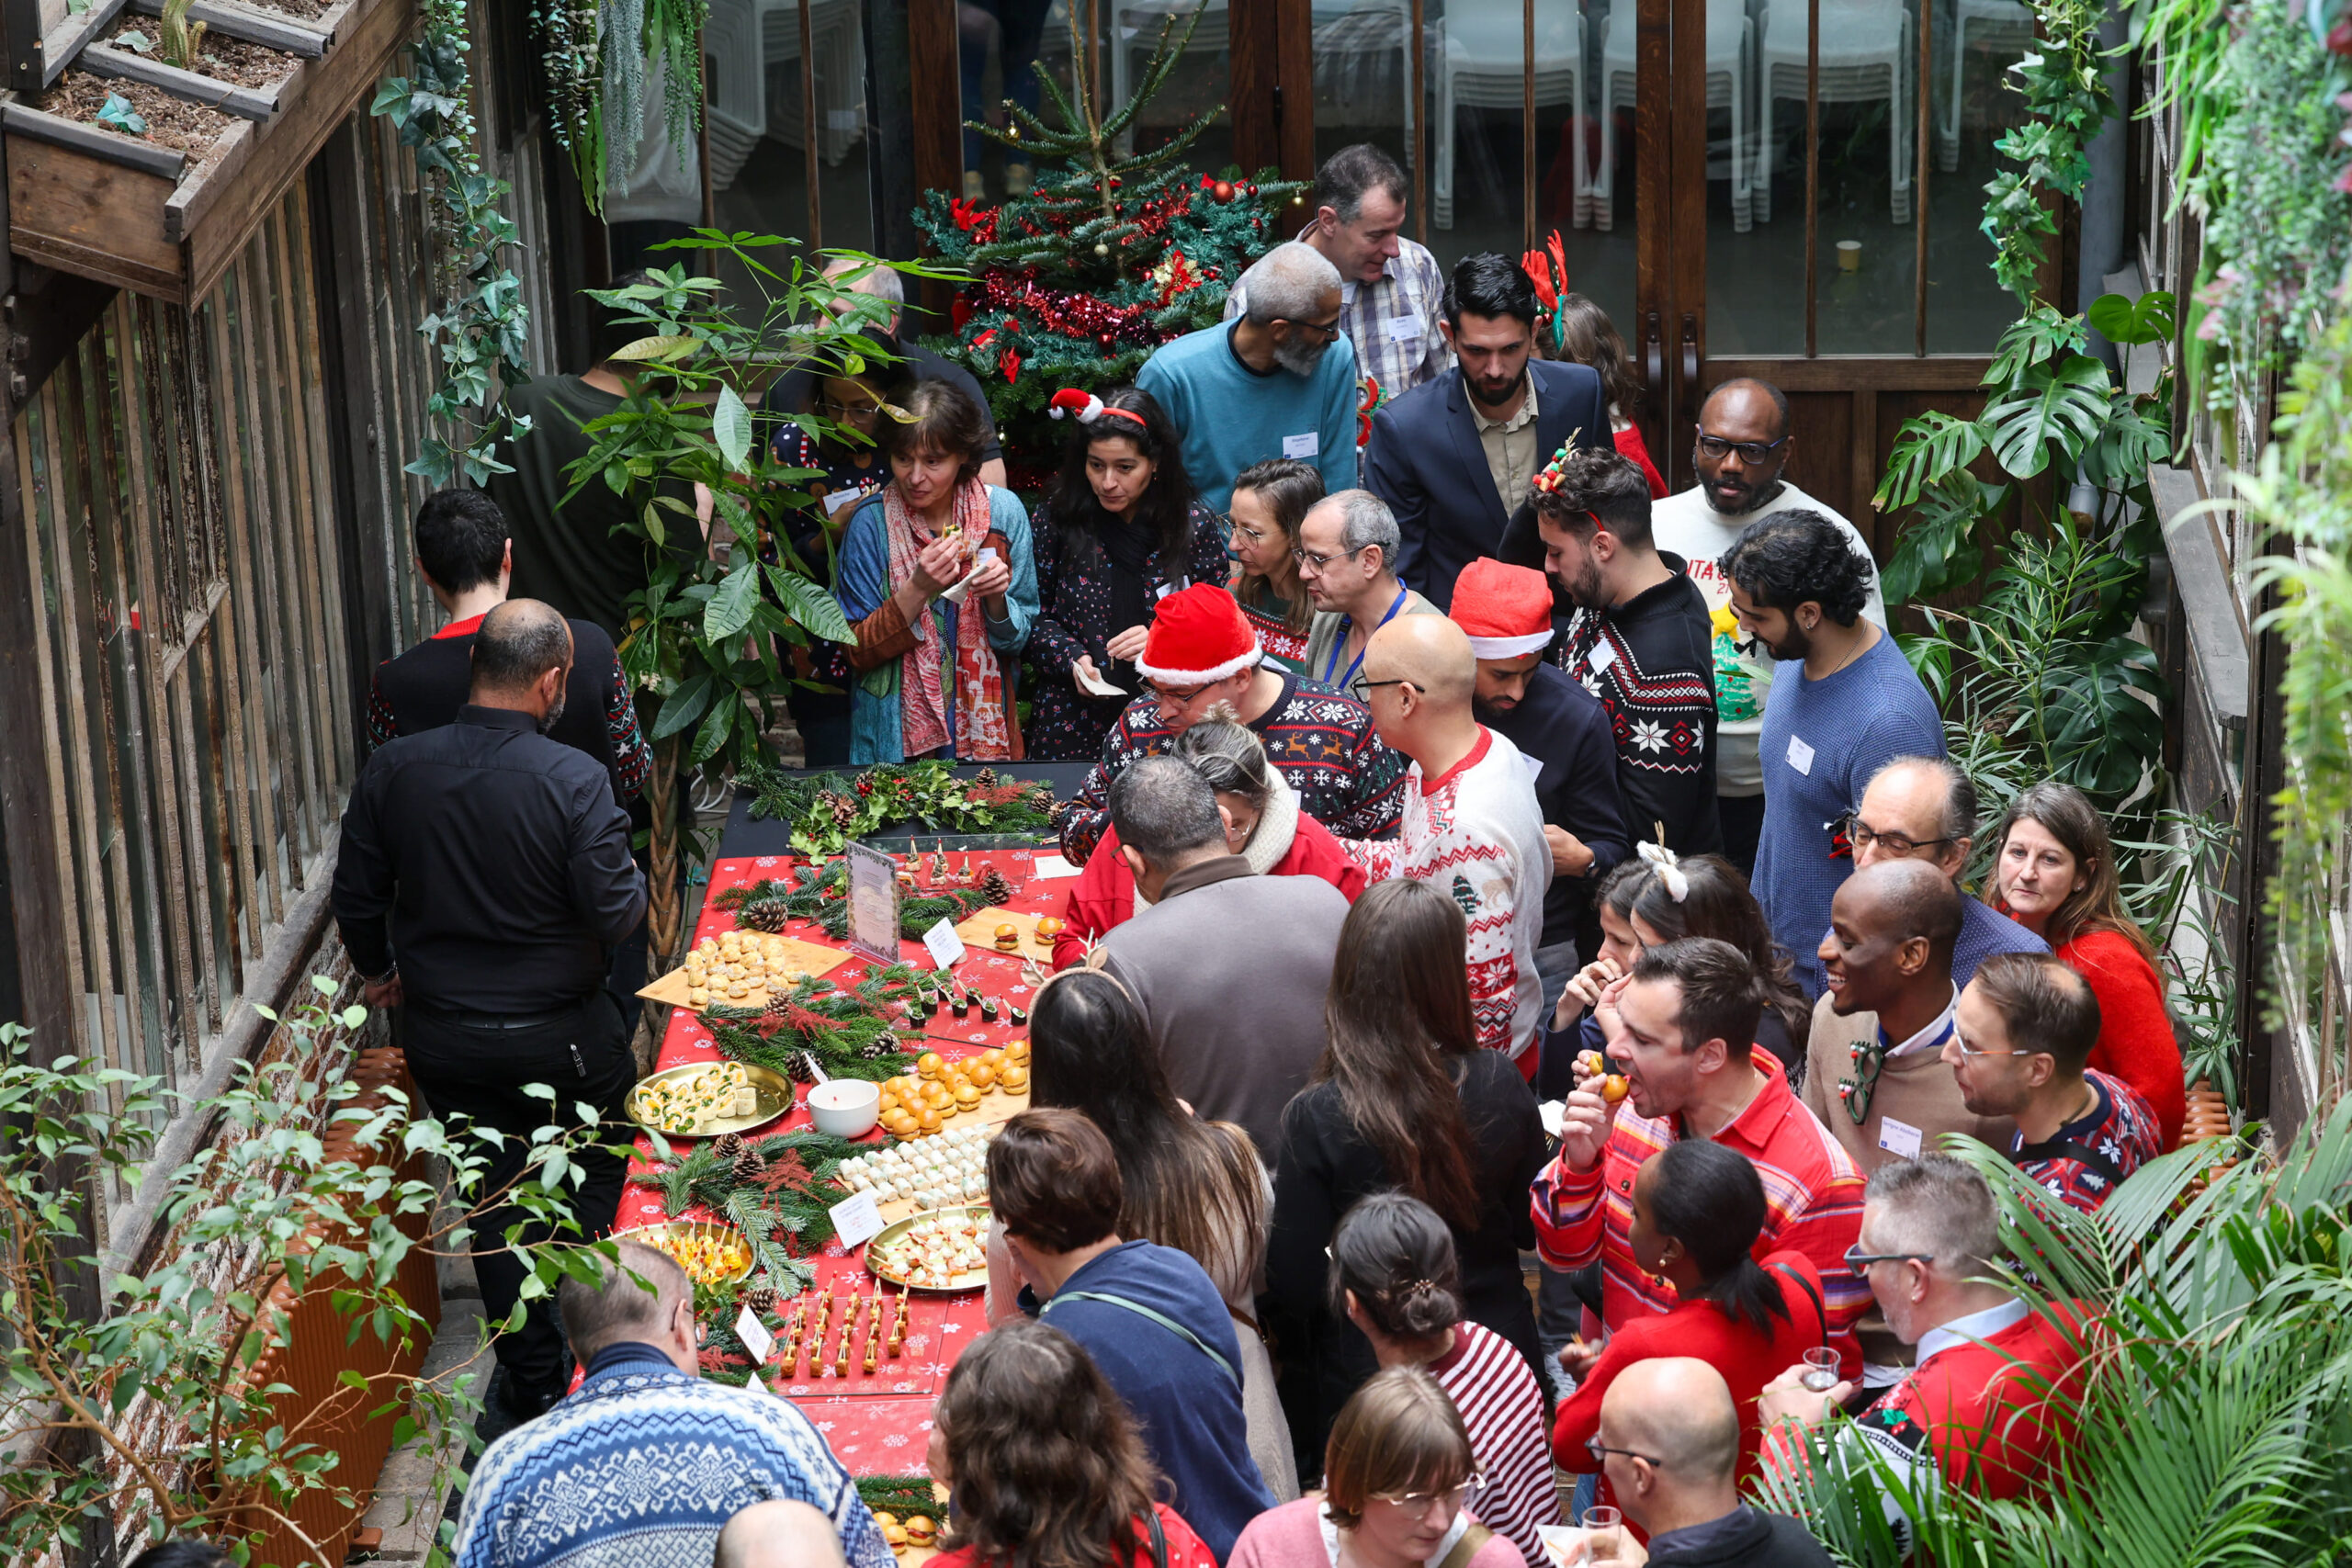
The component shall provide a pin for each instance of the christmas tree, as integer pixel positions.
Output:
(1105, 259)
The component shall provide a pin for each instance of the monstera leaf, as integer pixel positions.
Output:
(2064, 405)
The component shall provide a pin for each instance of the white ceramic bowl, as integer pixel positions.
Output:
(847, 1108)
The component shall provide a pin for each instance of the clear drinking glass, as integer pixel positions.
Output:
(1821, 1370)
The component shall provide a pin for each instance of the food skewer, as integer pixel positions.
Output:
(873, 1329)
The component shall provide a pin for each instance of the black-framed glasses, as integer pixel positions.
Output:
(1309, 557)
(1400, 680)
(1330, 330)
(1861, 1261)
(1749, 451)
(1600, 1452)
(1855, 1093)
(1178, 695)
(1862, 835)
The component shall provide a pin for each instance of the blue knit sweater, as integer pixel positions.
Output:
(642, 1466)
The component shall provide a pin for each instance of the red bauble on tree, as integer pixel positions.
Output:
(1222, 190)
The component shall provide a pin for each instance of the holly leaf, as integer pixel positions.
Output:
(730, 609)
(730, 428)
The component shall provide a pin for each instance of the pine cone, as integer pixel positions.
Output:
(769, 915)
(986, 778)
(750, 1166)
(727, 1145)
(875, 1049)
(761, 1299)
(844, 808)
(995, 888)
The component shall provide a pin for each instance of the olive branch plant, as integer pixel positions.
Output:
(159, 1411)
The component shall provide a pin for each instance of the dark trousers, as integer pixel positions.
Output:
(1743, 819)
(479, 1072)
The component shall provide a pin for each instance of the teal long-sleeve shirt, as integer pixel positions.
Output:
(1231, 416)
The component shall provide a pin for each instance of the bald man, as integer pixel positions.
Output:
(484, 882)
(1669, 1444)
(1471, 824)
(1874, 1068)
(784, 1533)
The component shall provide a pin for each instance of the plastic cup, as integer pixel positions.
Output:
(1821, 1370)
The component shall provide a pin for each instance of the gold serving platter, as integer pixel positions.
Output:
(772, 1096)
(887, 1254)
(691, 1241)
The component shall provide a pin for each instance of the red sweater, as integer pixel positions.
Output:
(1636, 451)
(1185, 1549)
(1104, 894)
(2136, 1038)
(1699, 1328)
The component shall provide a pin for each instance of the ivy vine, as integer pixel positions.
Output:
(2067, 102)
(478, 325)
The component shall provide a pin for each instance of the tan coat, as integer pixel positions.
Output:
(1917, 1090)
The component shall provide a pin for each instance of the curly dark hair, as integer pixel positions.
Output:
(1164, 510)
(1717, 903)
(1789, 558)
(1047, 1466)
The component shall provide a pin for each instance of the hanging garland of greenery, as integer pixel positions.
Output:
(572, 58)
(477, 334)
(828, 810)
(821, 894)
(2067, 98)
(597, 52)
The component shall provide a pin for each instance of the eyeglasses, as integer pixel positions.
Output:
(1749, 451)
(1400, 680)
(1309, 557)
(1863, 836)
(1855, 1093)
(1330, 330)
(833, 409)
(1861, 1261)
(1967, 1050)
(1417, 1503)
(1178, 695)
(1600, 1452)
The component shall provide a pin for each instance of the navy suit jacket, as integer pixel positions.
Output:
(1425, 461)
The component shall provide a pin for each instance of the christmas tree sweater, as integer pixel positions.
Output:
(1321, 739)
(1476, 831)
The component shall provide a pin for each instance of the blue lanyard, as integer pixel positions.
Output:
(1333, 663)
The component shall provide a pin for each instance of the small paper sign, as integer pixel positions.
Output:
(947, 947)
(873, 903)
(1047, 866)
(755, 1336)
(857, 1220)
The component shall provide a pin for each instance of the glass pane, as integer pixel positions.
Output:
(1976, 43)
(762, 117)
(1866, 241)
(1130, 29)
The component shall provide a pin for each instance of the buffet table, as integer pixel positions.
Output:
(877, 1423)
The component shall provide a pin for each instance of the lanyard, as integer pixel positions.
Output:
(1333, 663)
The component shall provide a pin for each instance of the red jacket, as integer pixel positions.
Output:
(1104, 894)
(1989, 1411)
(2136, 1038)
(1748, 1359)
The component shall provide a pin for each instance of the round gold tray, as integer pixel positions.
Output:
(672, 1231)
(890, 1273)
(774, 1090)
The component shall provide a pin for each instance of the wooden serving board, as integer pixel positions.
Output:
(802, 957)
(978, 931)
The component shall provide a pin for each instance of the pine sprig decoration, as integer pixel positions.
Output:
(908, 1496)
(828, 810)
(784, 1210)
(838, 1027)
(822, 896)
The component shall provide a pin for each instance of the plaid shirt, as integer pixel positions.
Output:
(1409, 292)
(1813, 1205)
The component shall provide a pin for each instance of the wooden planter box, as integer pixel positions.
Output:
(98, 203)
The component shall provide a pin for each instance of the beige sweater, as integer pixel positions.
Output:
(1915, 1091)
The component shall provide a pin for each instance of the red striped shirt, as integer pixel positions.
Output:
(1493, 1387)
(1813, 1205)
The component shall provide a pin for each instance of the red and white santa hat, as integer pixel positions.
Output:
(1506, 610)
(1199, 635)
(1089, 409)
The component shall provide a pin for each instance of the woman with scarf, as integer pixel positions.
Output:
(1264, 825)
(940, 587)
(1120, 531)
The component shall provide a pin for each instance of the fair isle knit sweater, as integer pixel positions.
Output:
(1477, 834)
(642, 1466)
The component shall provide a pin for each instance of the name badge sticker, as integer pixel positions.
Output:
(1603, 655)
(1306, 446)
(1404, 329)
(1800, 756)
(1898, 1139)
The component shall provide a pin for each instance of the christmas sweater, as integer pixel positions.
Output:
(2088, 1157)
(1651, 662)
(1322, 741)
(1476, 831)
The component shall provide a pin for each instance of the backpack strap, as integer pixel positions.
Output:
(1161, 1318)
(1473, 1539)
(1820, 1312)
(1159, 1539)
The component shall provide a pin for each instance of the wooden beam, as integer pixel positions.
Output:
(1846, 373)
(21, 119)
(73, 35)
(931, 56)
(229, 98)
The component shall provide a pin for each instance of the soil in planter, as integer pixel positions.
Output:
(307, 10)
(171, 122)
(230, 60)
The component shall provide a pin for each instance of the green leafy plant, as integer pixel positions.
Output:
(2067, 101)
(828, 810)
(821, 894)
(158, 1410)
(478, 330)
(2217, 1394)
(176, 42)
(777, 1190)
(850, 1032)
(706, 630)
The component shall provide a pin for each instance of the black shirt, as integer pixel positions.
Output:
(577, 555)
(1563, 727)
(492, 861)
(1745, 1537)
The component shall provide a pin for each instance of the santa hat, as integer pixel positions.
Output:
(1087, 407)
(1198, 636)
(1506, 610)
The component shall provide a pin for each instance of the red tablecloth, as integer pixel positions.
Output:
(878, 1425)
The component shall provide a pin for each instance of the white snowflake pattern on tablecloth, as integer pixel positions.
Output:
(824, 1426)
(891, 1440)
(764, 860)
(950, 1328)
(937, 1369)
(924, 1426)
(902, 1388)
(800, 1390)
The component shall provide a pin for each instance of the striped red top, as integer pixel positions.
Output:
(1813, 1205)
(1492, 1385)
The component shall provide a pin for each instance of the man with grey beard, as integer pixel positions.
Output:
(1279, 380)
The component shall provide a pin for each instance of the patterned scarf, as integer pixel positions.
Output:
(982, 729)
